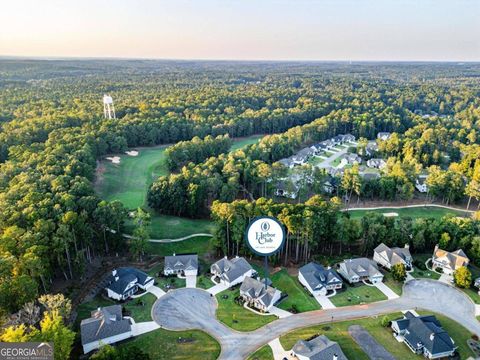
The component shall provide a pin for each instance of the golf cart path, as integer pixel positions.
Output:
(126, 236)
(185, 309)
(409, 206)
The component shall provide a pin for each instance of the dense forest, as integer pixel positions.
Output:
(52, 223)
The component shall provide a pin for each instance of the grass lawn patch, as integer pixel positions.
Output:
(315, 160)
(177, 345)
(396, 286)
(425, 274)
(456, 331)
(172, 227)
(415, 213)
(264, 353)
(197, 245)
(236, 316)
(239, 143)
(298, 298)
(140, 309)
(204, 282)
(336, 162)
(354, 295)
(472, 293)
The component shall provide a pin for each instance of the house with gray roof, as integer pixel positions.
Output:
(360, 269)
(318, 348)
(105, 326)
(258, 296)
(287, 189)
(353, 159)
(301, 157)
(421, 183)
(319, 280)
(387, 257)
(424, 335)
(124, 282)
(231, 272)
(383, 136)
(181, 265)
(376, 163)
(287, 162)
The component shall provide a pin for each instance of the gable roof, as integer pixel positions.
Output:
(453, 260)
(318, 277)
(255, 289)
(427, 331)
(394, 255)
(181, 262)
(103, 323)
(121, 278)
(361, 267)
(232, 269)
(319, 348)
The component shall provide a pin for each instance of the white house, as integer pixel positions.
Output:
(319, 280)
(256, 295)
(376, 163)
(449, 261)
(105, 326)
(383, 136)
(231, 272)
(124, 282)
(181, 265)
(360, 269)
(387, 257)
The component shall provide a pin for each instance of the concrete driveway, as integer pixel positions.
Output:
(214, 290)
(389, 293)
(369, 345)
(186, 308)
(191, 281)
(324, 302)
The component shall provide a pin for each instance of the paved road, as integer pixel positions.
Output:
(195, 309)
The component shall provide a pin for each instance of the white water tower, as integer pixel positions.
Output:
(108, 108)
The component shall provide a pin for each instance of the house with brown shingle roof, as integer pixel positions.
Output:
(449, 261)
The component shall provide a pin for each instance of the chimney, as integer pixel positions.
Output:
(407, 246)
(335, 357)
(174, 254)
(225, 257)
(436, 248)
(432, 336)
(114, 272)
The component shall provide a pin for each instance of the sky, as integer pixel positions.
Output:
(395, 30)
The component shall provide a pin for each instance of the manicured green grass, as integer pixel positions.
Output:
(396, 286)
(128, 181)
(264, 353)
(140, 309)
(354, 295)
(472, 293)
(298, 297)
(236, 316)
(242, 142)
(197, 245)
(177, 345)
(172, 227)
(336, 162)
(457, 332)
(415, 213)
(315, 160)
(204, 282)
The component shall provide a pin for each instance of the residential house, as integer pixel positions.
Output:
(105, 326)
(258, 296)
(181, 265)
(376, 163)
(353, 159)
(319, 280)
(231, 272)
(383, 136)
(318, 348)
(301, 157)
(371, 149)
(287, 162)
(360, 269)
(286, 189)
(347, 138)
(449, 261)
(424, 335)
(476, 283)
(421, 184)
(124, 282)
(387, 257)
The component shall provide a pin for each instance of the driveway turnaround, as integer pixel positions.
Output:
(369, 345)
(144, 327)
(191, 281)
(324, 302)
(279, 352)
(389, 293)
(279, 312)
(184, 309)
(155, 290)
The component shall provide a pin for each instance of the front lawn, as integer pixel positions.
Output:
(140, 309)
(264, 353)
(298, 298)
(236, 316)
(396, 286)
(354, 295)
(204, 282)
(472, 293)
(177, 345)
(425, 274)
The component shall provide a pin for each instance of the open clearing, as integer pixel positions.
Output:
(129, 181)
(415, 212)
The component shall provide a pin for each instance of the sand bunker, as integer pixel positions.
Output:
(132, 153)
(114, 159)
(390, 214)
